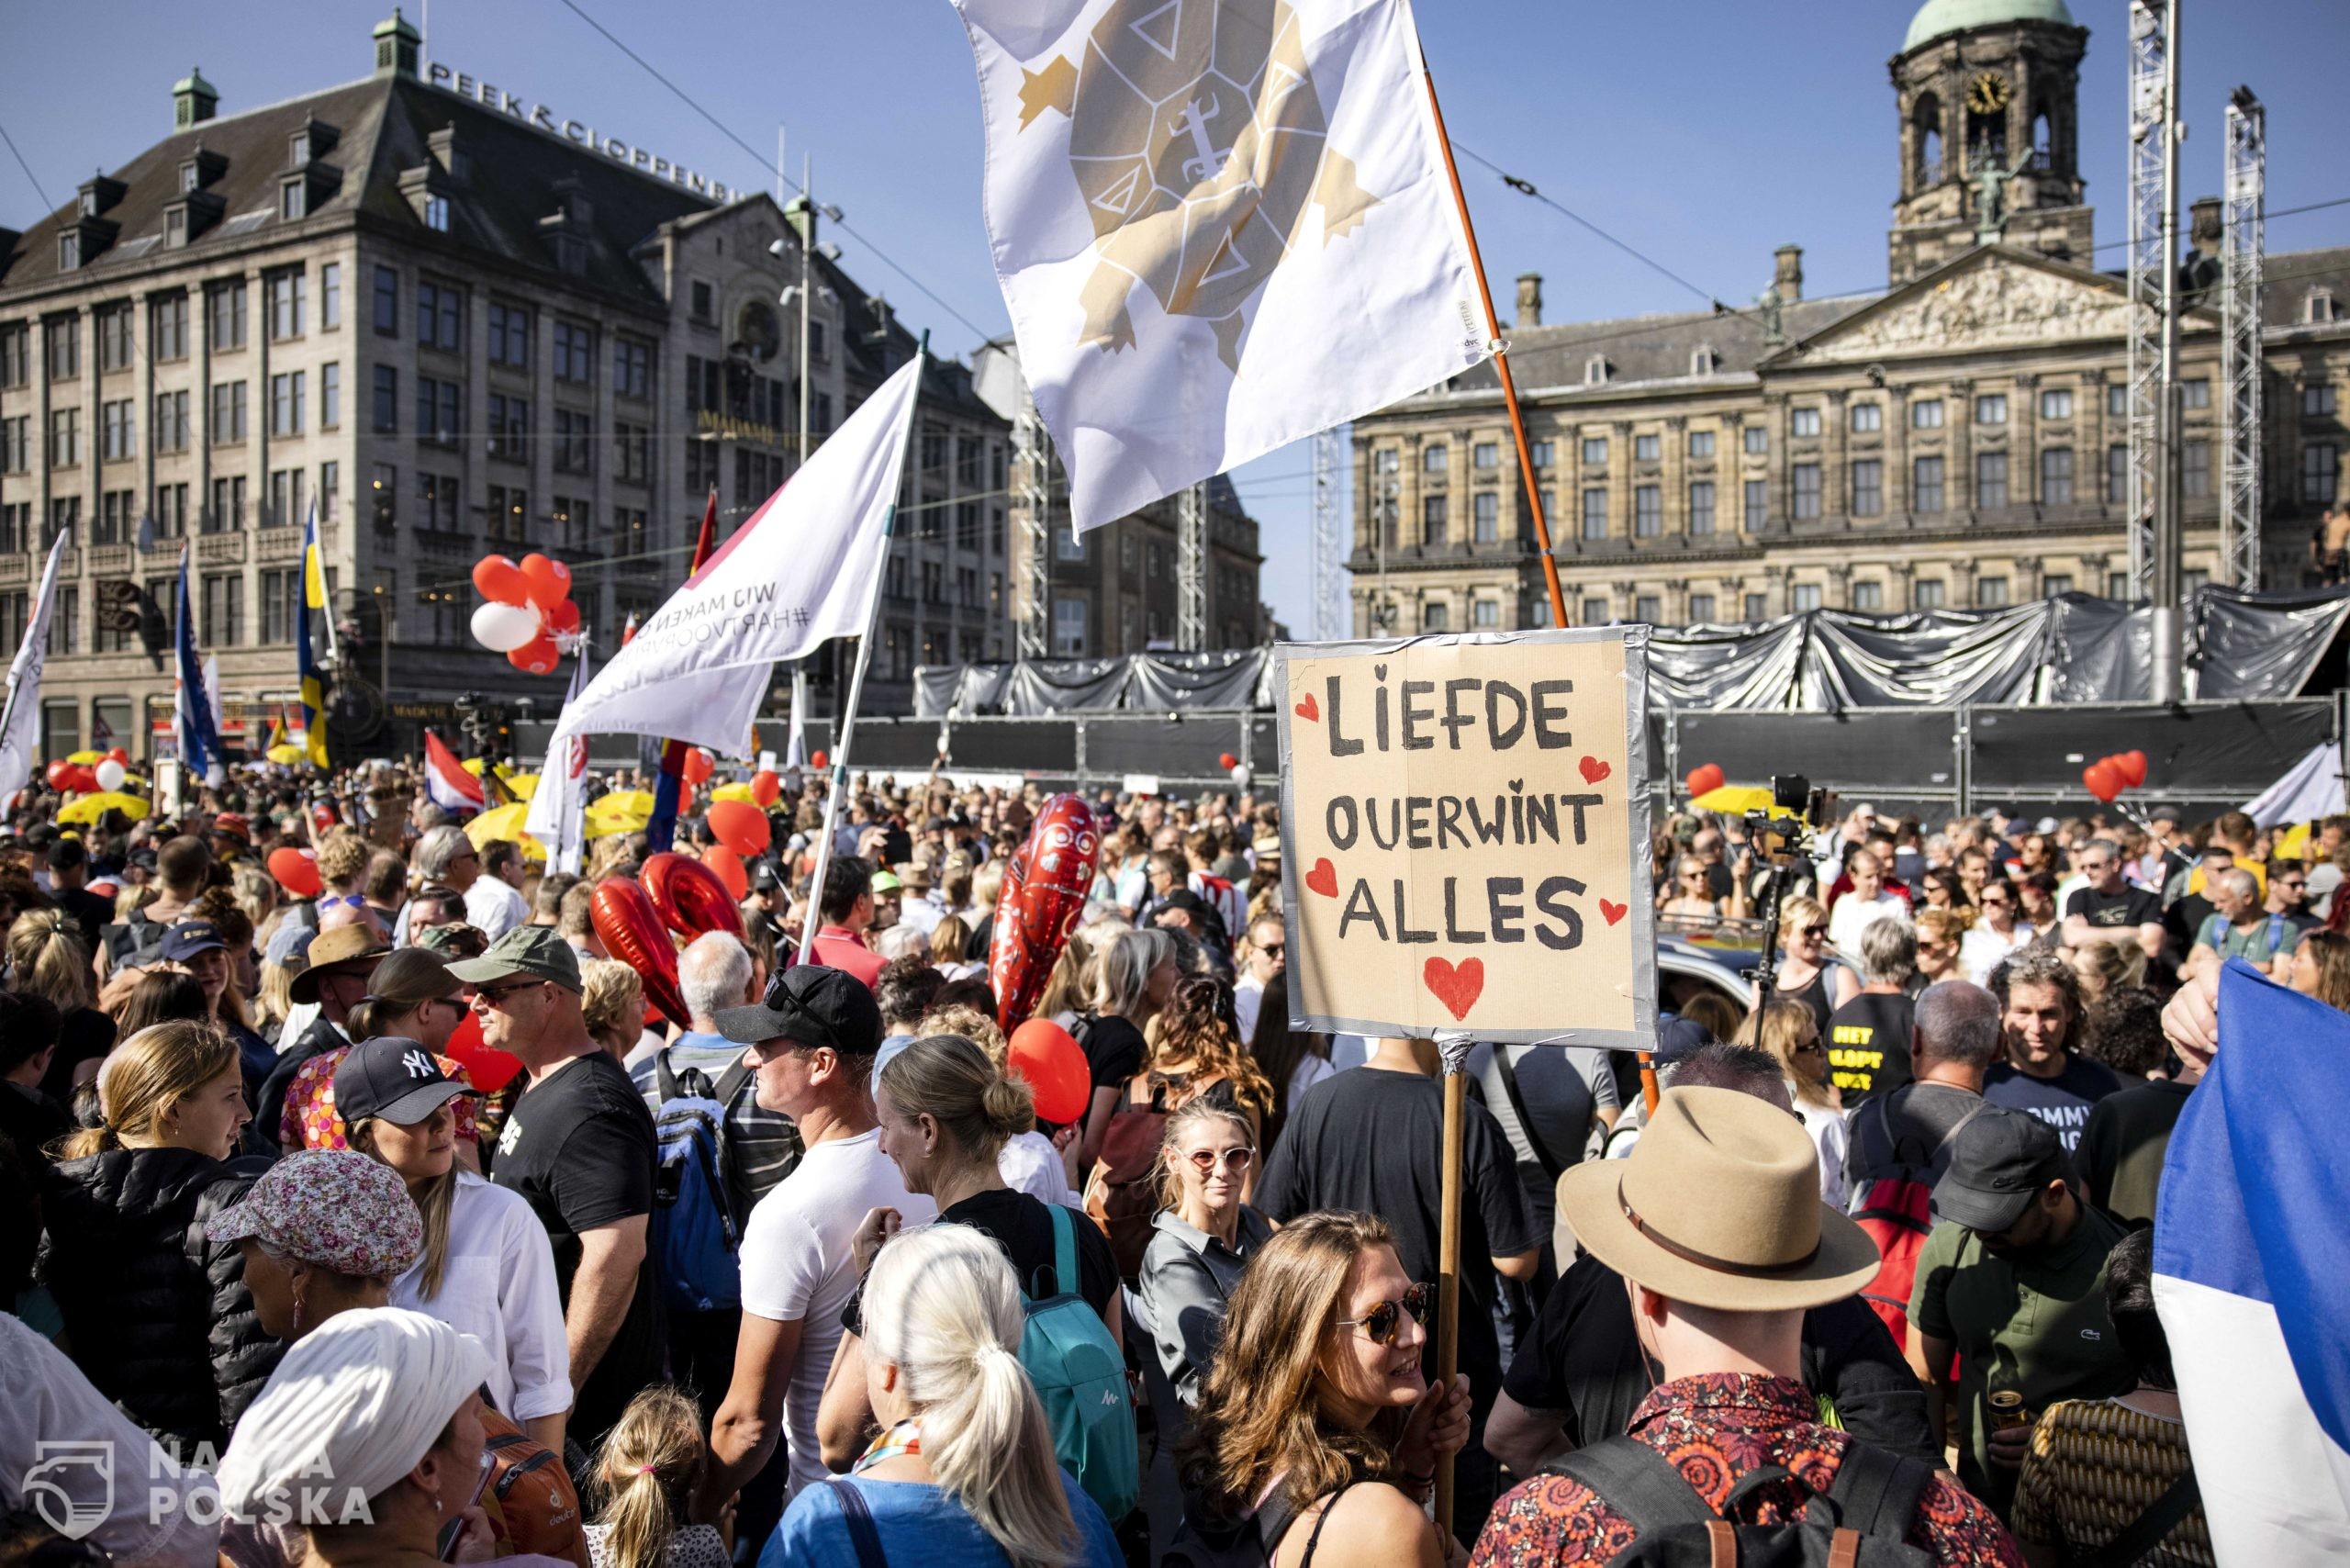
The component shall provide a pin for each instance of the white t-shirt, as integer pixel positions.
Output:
(497, 1285)
(1981, 950)
(1854, 914)
(797, 1267)
(1829, 1138)
(1029, 1163)
(1248, 999)
(494, 906)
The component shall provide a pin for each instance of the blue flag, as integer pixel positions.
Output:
(199, 733)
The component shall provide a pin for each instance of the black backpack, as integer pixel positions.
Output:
(1859, 1522)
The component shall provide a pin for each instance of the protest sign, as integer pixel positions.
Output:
(1466, 820)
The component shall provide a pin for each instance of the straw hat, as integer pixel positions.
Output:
(1718, 1206)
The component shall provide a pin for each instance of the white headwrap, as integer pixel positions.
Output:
(349, 1410)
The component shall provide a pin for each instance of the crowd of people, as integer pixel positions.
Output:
(393, 1217)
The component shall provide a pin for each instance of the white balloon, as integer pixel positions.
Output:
(111, 774)
(503, 628)
(1240, 775)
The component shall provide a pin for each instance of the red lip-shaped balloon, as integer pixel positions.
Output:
(1041, 902)
(630, 930)
(689, 898)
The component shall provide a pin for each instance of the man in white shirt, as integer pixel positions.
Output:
(494, 903)
(1868, 903)
(812, 1040)
(1267, 957)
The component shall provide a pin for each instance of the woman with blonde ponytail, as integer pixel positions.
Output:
(963, 1471)
(647, 1470)
(48, 958)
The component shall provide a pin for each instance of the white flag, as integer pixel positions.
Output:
(805, 568)
(795, 743)
(558, 818)
(1221, 226)
(20, 726)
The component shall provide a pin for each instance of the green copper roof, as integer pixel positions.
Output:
(1936, 18)
(194, 82)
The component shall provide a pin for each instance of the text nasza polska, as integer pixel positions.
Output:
(1502, 717)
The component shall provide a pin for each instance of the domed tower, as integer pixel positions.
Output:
(1988, 92)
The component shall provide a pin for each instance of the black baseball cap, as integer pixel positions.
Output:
(392, 1077)
(810, 1004)
(1999, 1162)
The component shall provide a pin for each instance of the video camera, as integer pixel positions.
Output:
(1795, 805)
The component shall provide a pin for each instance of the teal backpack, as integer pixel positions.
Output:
(1080, 1376)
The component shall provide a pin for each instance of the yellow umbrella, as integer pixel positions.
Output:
(87, 757)
(735, 791)
(89, 808)
(1735, 800)
(505, 822)
(622, 803)
(287, 753)
(2294, 843)
(473, 766)
(522, 785)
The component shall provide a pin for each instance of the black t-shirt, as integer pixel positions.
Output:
(2127, 910)
(1372, 1140)
(87, 911)
(1023, 1226)
(84, 1034)
(579, 1146)
(1115, 1048)
(2063, 1102)
(1868, 1045)
(1583, 1363)
(2184, 920)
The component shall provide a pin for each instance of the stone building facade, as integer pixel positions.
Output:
(1957, 441)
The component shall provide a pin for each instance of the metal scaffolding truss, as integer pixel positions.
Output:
(2247, 149)
(1192, 568)
(1329, 542)
(2149, 52)
(1032, 451)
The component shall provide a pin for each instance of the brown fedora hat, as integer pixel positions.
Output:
(1718, 1206)
(346, 950)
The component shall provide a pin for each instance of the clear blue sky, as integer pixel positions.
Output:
(1703, 133)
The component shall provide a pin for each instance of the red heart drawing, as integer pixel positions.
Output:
(1593, 771)
(1309, 708)
(1614, 912)
(1324, 878)
(1458, 987)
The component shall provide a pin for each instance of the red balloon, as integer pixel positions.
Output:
(120, 755)
(297, 871)
(547, 581)
(691, 897)
(1054, 1064)
(1042, 899)
(2133, 767)
(630, 930)
(1705, 778)
(699, 766)
(60, 776)
(537, 656)
(740, 826)
(562, 616)
(1226, 760)
(818, 761)
(767, 787)
(727, 867)
(81, 778)
(501, 581)
(2103, 779)
(490, 1068)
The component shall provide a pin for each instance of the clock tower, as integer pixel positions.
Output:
(1988, 92)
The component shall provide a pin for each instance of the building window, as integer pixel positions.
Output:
(228, 425)
(2320, 462)
(2117, 400)
(65, 513)
(2055, 585)
(1485, 454)
(2116, 475)
(118, 518)
(1756, 505)
(1867, 418)
(704, 305)
(1990, 593)
(1803, 596)
(508, 515)
(438, 415)
(574, 447)
(280, 589)
(1433, 511)
(1488, 506)
(1648, 510)
(2056, 402)
(1545, 454)
(284, 498)
(2196, 393)
(631, 369)
(633, 464)
(1648, 608)
(1595, 513)
(438, 501)
(329, 489)
(171, 512)
(288, 300)
(1925, 485)
(388, 302)
(65, 438)
(1758, 440)
(509, 335)
(287, 394)
(1869, 596)
(64, 348)
(1436, 616)
(1991, 408)
(1646, 448)
(510, 427)
(2317, 401)
(1758, 606)
(2056, 477)
(15, 354)
(440, 316)
(1806, 492)
(1703, 361)
(1701, 507)
(1868, 487)
(436, 213)
(574, 354)
(1594, 610)
(384, 494)
(16, 444)
(1595, 450)
(387, 412)
(1926, 414)
(226, 514)
(113, 338)
(2195, 469)
(1926, 593)
(1701, 443)
(65, 622)
(1701, 608)
(1434, 456)
(702, 459)
(118, 432)
(2317, 306)
(1990, 480)
(225, 316)
(1806, 422)
(329, 395)
(1594, 370)
(330, 296)
(1485, 615)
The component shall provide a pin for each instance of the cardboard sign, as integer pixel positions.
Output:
(1465, 827)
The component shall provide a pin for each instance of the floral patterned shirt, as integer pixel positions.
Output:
(309, 1120)
(1715, 1429)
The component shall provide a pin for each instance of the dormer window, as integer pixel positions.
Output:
(436, 213)
(174, 227)
(69, 251)
(298, 149)
(2317, 306)
(189, 178)
(1594, 370)
(89, 204)
(1704, 361)
(293, 200)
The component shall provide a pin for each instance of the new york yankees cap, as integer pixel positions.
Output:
(394, 1077)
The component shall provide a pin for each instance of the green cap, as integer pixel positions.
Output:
(537, 950)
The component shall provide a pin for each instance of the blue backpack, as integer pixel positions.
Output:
(1081, 1377)
(697, 1237)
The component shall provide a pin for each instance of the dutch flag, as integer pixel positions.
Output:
(446, 781)
(2251, 1276)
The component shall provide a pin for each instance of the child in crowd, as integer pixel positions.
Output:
(647, 1472)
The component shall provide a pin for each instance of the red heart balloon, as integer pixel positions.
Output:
(740, 826)
(2133, 766)
(2102, 779)
(1703, 779)
(630, 930)
(698, 764)
(1226, 760)
(296, 870)
(691, 897)
(548, 580)
(537, 656)
(1042, 899)
(501, 581)
(727, 867)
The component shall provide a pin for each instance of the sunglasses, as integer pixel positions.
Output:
(497, 998)
(1381, 1321)
(1813, 931)
(1237, 1161)
(1272, 949)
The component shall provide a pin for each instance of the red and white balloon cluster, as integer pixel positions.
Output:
(529, 617)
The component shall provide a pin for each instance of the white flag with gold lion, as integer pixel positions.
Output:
(1221, 226)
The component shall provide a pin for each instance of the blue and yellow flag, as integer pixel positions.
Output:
(313, 603)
